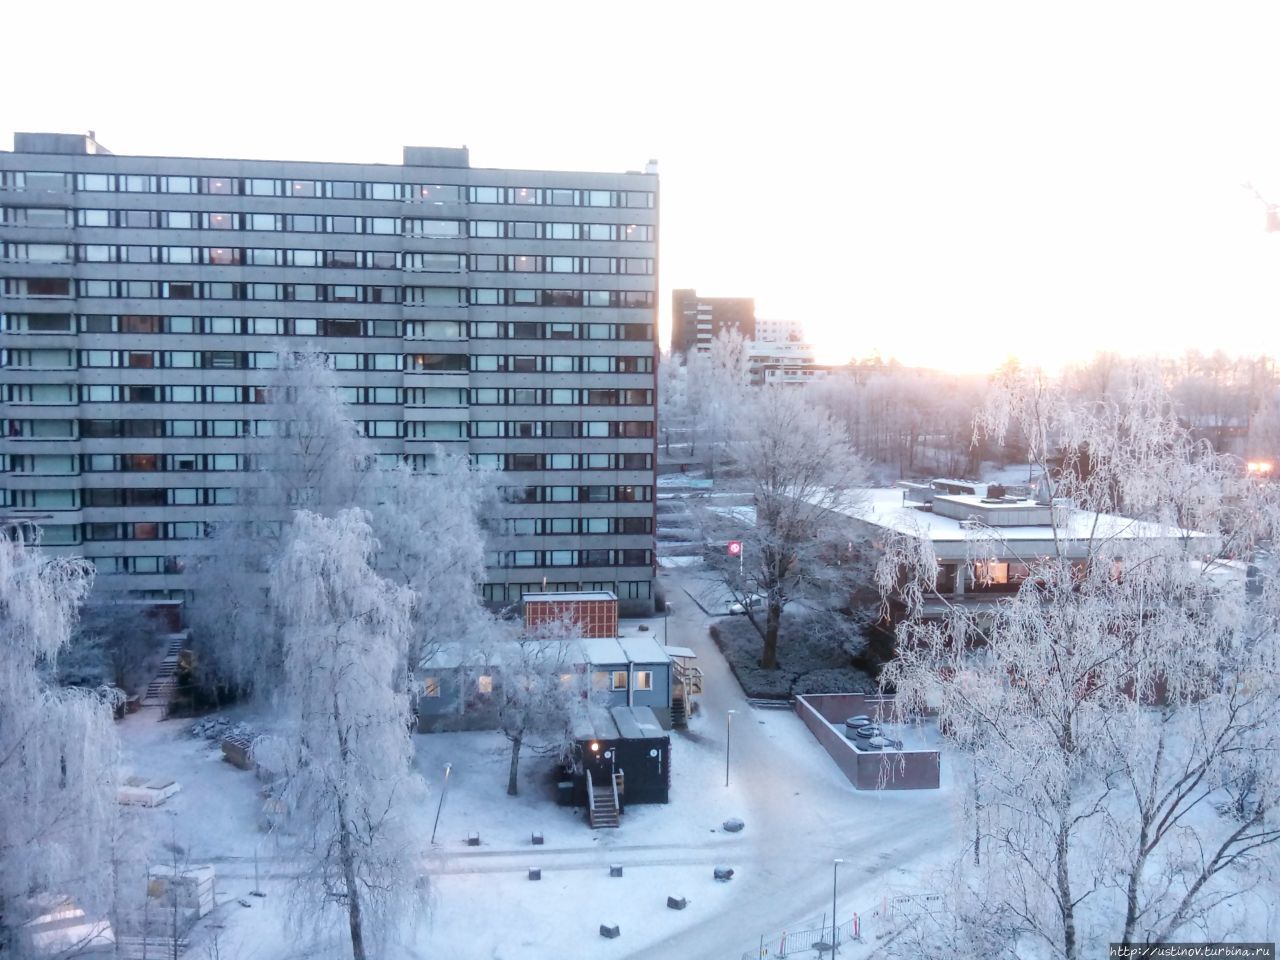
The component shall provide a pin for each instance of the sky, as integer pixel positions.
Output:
(948, 184)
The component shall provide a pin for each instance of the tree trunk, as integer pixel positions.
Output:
(1066, 902)
(513, 785)
(346, 848)
(769, 658)
(347, 853)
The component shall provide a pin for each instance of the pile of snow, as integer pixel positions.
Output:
(215, 728)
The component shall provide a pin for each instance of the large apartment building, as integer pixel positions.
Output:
(506, 314)
(696, 321)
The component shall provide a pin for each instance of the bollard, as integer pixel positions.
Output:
(610, 932)
(615, 869)
(535, 873)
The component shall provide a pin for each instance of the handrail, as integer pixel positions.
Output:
(614, 784)
(591, 797)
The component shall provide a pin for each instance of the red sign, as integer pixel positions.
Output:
(734, 548)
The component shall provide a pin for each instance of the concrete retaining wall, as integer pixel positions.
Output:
(824, 714)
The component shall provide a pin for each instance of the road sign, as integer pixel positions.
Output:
(734, 548)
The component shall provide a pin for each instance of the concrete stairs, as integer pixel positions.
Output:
(160, 690)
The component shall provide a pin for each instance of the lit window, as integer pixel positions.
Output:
(644, 679)
(619, 680)
(431, 687)
(484, 684)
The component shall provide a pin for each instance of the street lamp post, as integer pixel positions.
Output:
(440, 806)
(728, 730)
(835, 871)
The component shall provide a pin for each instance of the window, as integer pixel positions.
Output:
(486, 194)
(302, 188)
(644, 679)
(484, 684)
(431, 687)
(431, 228)
(619, 680)
(437, 193)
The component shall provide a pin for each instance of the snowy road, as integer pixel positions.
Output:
(801, 814)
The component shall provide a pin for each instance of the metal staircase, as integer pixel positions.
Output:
(688, 682)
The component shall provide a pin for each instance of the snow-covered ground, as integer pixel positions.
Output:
(799, 810)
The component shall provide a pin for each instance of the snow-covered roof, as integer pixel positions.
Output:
(610, 650)
(885, 508)
(597, 651)
(552, 597)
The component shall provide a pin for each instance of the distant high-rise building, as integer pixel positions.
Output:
(507, 315)
(696, 321)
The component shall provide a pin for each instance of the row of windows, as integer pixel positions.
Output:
(499, 593)
(577, 461)
(149, 428)
(589, 493)
(54, 358)
(522, 263)
(57, 394)
(431, 228)
(160, 496)
(412, 430)
(142, 462)
(52, 217)
(328, 189)
(576, 526)
(505, 559)
(411, 296)
(542, 230)
(560, 429)
(301, 327)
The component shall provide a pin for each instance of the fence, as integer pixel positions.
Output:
(794, 942)
(885, 921)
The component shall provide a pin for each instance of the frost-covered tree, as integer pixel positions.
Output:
(1121, 712)
(796, 471)
(112, 643)
(307, 454)
(58, 750)
(542, 685)
(431, 541)
(345, 748)
(716, 386)
(673, 400)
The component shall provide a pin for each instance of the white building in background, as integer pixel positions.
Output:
(782, 362)
(778, 331)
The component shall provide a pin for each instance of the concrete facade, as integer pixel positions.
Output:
(696, 321)
(504, 314)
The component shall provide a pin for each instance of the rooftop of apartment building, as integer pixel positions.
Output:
(87, 144)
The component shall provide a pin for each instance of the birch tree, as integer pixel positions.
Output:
(1121, 712)
(543, 685)
(716, 385)
(793, 464)
(58, 750)
(346, 750)
(308, 454)
(431, 541)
